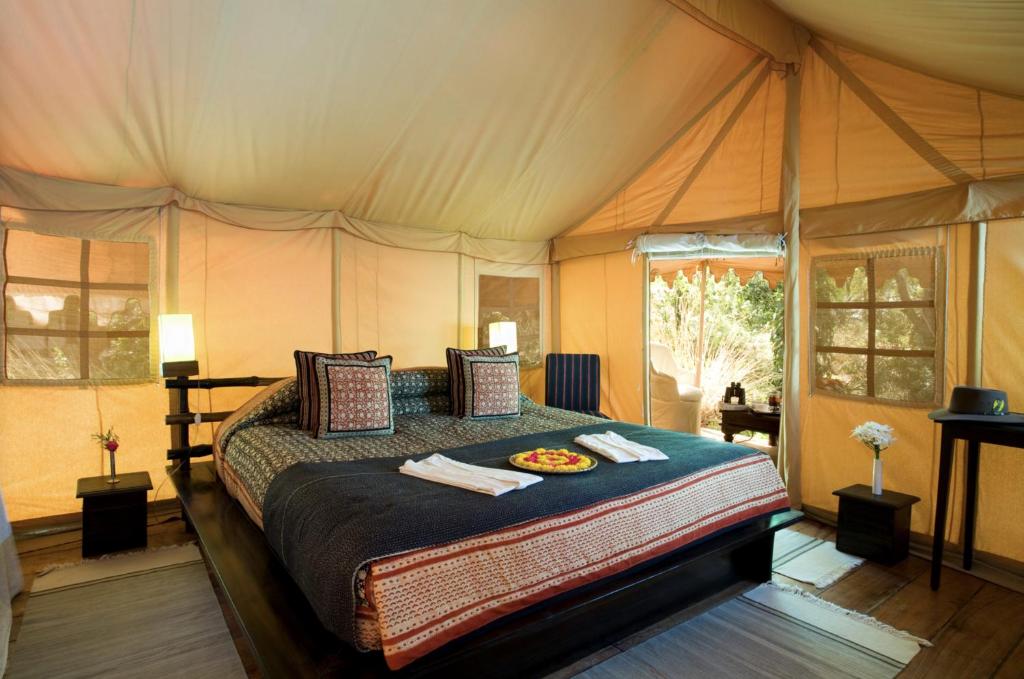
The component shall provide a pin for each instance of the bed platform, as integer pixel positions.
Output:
(287, 639)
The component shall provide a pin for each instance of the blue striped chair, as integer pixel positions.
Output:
(574, 383)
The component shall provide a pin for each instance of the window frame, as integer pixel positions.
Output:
(149, 288)
(871, 306)
(539, 271)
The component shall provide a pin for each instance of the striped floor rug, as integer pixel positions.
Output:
(810, 559)
(771, 631)
(151, 614)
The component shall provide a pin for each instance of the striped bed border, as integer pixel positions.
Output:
(417, 602)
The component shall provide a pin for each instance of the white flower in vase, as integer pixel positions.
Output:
(874, 435)
(877, 437)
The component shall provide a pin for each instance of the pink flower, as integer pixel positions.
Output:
(111, 445)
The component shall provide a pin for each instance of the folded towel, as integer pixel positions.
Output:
(440, 469)
(619, 449)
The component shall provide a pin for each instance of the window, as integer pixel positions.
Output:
(75, 309)
(512, 298)
(877, 322)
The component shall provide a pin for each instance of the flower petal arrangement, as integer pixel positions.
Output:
(560, 461)
(874, 435)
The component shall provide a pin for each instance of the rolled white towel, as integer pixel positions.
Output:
(646, 452)
(619, 449)
(521, 479)
(440, 469)
(597, 444)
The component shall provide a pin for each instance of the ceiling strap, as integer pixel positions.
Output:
(928, 153)
(664, 148)
(709, 152)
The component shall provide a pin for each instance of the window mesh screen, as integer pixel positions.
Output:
(511, 298)
(877, 326)
(75, 309)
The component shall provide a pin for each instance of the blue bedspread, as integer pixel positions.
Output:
(326, 520)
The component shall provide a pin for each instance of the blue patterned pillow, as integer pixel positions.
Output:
(353, 397)
(305, 378)
(491, 387)
(456, 387)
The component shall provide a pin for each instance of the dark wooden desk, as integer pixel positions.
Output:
(974, 433)
(735, 421)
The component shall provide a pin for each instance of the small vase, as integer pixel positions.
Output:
(113, 471)
(876, 481)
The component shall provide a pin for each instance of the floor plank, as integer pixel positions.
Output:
(1012, 666)
(868, 586)
(815, 530)
(977, 639)
(922, 612)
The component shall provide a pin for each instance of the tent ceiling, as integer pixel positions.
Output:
(498, 119)
(976, 43)
(503, 120)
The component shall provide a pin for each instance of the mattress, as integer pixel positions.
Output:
(412, 596)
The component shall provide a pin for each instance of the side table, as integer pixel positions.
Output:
(113, 515)
(876, 527)
(735, 421)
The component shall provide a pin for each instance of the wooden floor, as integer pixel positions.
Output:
(977, 628)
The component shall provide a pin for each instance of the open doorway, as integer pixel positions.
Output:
(713, 322)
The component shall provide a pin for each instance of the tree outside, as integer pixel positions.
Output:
(743, 334)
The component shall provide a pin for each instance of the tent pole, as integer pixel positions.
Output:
(556, 308)
(336, 290)
(646, 311)
(171, 249)
(700, 323)
(976, 303)
(789, 204)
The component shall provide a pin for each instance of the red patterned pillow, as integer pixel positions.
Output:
(455, 384)
(491, 386)
(305, 379)
(354, 397)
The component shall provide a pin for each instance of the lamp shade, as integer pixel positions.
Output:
(177, 341)
(503, 332)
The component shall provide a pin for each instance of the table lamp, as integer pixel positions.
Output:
(503, 332)
(177, 346)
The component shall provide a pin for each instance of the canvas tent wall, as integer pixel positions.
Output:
(337, 175)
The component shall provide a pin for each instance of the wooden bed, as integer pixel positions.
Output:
(287, 639)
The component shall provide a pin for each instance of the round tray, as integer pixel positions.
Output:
(593, 464)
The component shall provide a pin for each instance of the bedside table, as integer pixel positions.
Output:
(876, 527)
(113, 515)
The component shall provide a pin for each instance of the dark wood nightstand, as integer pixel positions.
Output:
(113, 515)
(876, 527)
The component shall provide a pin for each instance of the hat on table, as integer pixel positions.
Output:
(977, 404)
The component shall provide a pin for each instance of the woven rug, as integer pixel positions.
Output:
(770, 631)
(150, 614)
(809, 559)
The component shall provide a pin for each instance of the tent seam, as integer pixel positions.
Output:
(712, 148)
(125, 95)
(890, 118)
(664, 148)
(584, 106)
(981, 135)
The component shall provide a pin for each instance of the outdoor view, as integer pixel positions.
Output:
(902, 365)
(743, 326)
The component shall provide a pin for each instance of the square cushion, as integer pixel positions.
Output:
(305, 380)
(455, 388)
(353, 398)
(491, 386)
